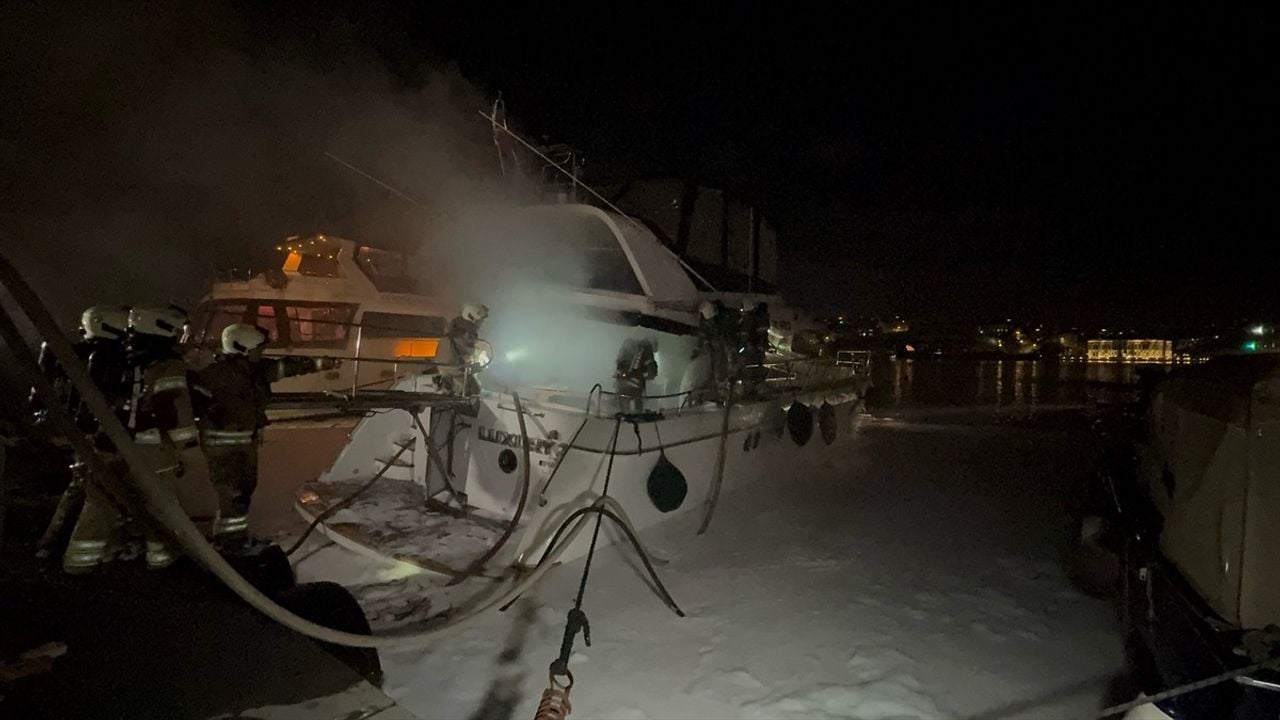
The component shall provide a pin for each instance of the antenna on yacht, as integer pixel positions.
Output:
(366, 175)
(501, 124)
(499, 119)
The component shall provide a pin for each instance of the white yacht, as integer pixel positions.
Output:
(614, 374)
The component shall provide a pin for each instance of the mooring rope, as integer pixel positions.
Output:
(595, 534)
(555, 699)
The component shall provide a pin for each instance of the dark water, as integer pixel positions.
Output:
(1009, 384)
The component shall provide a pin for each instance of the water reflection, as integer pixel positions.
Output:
(1008, 383)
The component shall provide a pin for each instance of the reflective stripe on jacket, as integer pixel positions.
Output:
(177, 435)
(228, 437)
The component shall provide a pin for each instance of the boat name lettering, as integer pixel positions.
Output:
(540, 446)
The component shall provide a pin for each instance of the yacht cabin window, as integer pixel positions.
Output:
(384, 325)
(388, 271)
(582, 251)
(295, 324)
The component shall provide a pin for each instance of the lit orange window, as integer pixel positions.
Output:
(417, 347)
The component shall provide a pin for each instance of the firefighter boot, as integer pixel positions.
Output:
(233, 470)
(92, 533)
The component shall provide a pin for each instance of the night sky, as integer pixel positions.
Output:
(1084, 165)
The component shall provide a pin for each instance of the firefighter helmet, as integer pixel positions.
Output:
(474, 312)
(159, 321)
(108, 322)
(242, 338)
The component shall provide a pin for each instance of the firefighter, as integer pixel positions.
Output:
(714, 329)
(753, 344)
(636, 365)
(464, 330)
(103, 330)
(162, 420)
(107, 321)
(53, 373)
(233, 393)
(463, 334)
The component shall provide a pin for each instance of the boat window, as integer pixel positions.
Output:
(312, 256)
(296, 324)
(387, 270)
(320, 325)
(264, 316)
(210, 319)
(325, 266)
(595, 259)
(380, 325)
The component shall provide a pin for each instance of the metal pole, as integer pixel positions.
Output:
(355, 372)
(4, 485)
(373, 179)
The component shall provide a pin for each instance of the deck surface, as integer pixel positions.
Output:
(392, 521)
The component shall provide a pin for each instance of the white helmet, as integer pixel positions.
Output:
(108, 322)
(241, 339)
(474, 312)
(162, 322)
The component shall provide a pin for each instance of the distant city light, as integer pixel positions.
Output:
(1251, 345)
(1258, 329)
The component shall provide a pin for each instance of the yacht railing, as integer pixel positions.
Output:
(761, 381)
(799, 374)
(860, 360)
(363, 398)
(359, 326)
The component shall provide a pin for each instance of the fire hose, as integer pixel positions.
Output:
(162, 507)
(479, 562)
(348, 500)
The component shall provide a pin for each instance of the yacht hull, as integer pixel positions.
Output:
(576, 455)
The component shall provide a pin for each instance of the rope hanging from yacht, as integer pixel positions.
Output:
(586, 417)
(554, 704)
(713, 494)
(555, 699)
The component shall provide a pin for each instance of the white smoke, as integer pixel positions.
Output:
(142, 156)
